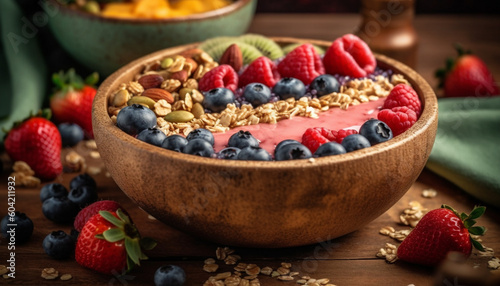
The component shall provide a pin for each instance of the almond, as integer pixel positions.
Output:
(182, 76)
(190, 53)
(157, 94)
(233, 57)
(150, 80)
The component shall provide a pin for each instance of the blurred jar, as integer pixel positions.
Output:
(387, 27)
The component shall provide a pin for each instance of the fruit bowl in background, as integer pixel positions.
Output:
(105, 44)
(265, 204)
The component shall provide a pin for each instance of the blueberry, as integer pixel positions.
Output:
(74, 234)
(82, 180)
(199, 147)
(325, 84)
(283, 143)
(201, 133)
(58, 245)
(355, 142)
(170, 275)
(254, 154)
(257, 94)
(83, 195)
(153, 136)
(328, 149)
(242, 139)
(228, 153)
(60, 210)
(135, 118)
(22, 230)
(71, 134)
(52, 190)
(376, 131)
(292, 151)
(217, 99)
(288, 87)
(174, 142)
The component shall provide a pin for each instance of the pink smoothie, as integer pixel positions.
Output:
(270, 135)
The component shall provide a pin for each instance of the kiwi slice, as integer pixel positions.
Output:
(266, 46)
(212, 42)
(249, 53)
(290, 47)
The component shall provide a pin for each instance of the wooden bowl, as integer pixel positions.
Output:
(265, 204)
(106, 44)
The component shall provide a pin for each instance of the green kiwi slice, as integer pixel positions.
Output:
(266, 46)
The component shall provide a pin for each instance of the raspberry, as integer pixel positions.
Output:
(350, 56)
(403, 95)
(85, 214)
(343, 133)
(261, 70)
(399, 119)
(221, 76)
(314, 137)
(302, 63)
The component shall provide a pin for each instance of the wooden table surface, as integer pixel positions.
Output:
(349, 260)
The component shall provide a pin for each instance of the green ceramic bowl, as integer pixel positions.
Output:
(105, 44)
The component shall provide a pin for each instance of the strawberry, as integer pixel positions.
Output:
(349, 56)
(72, 100)
(302, 63)
(37, 142)
(109, 243)
(466, 76)
(399, 119)
(403, 95)
(85, 214)
(261, 70)
(439, 232)
(221, 76)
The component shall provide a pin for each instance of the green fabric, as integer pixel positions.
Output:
(23, 71)
(467, 146)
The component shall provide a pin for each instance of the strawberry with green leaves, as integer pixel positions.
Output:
(466, 76)
(110, 243)
(37, 142)
(441, 231)
(72, 100)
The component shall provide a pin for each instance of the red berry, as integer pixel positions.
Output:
(403, 95)
(302, 63)
(85, 214)
(439, 232)
(37, 142)
(261, 70)
(343, 133)
(350, 56)
(221, 76)
(314, 137)
(399, 119)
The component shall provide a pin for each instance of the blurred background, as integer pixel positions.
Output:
(342, 6)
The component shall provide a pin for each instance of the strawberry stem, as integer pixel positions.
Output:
(126, 231)
(469, 220)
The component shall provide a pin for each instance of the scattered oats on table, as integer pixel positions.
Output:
(494, 263)
(49, 273)
(412, 215)
(66, 277)
(429, 193)
(25, 176)
(388, 252)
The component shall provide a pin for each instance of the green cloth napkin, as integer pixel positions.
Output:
(467, 146)
(23, 72)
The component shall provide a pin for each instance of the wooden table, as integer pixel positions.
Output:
(349, 260)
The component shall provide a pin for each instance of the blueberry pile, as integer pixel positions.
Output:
(61, 206)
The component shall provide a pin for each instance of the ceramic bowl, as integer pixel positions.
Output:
(265, 204)
(106, 44)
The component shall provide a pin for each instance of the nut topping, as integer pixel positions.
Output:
(150, 81)
(157, 94)
(233, 57)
